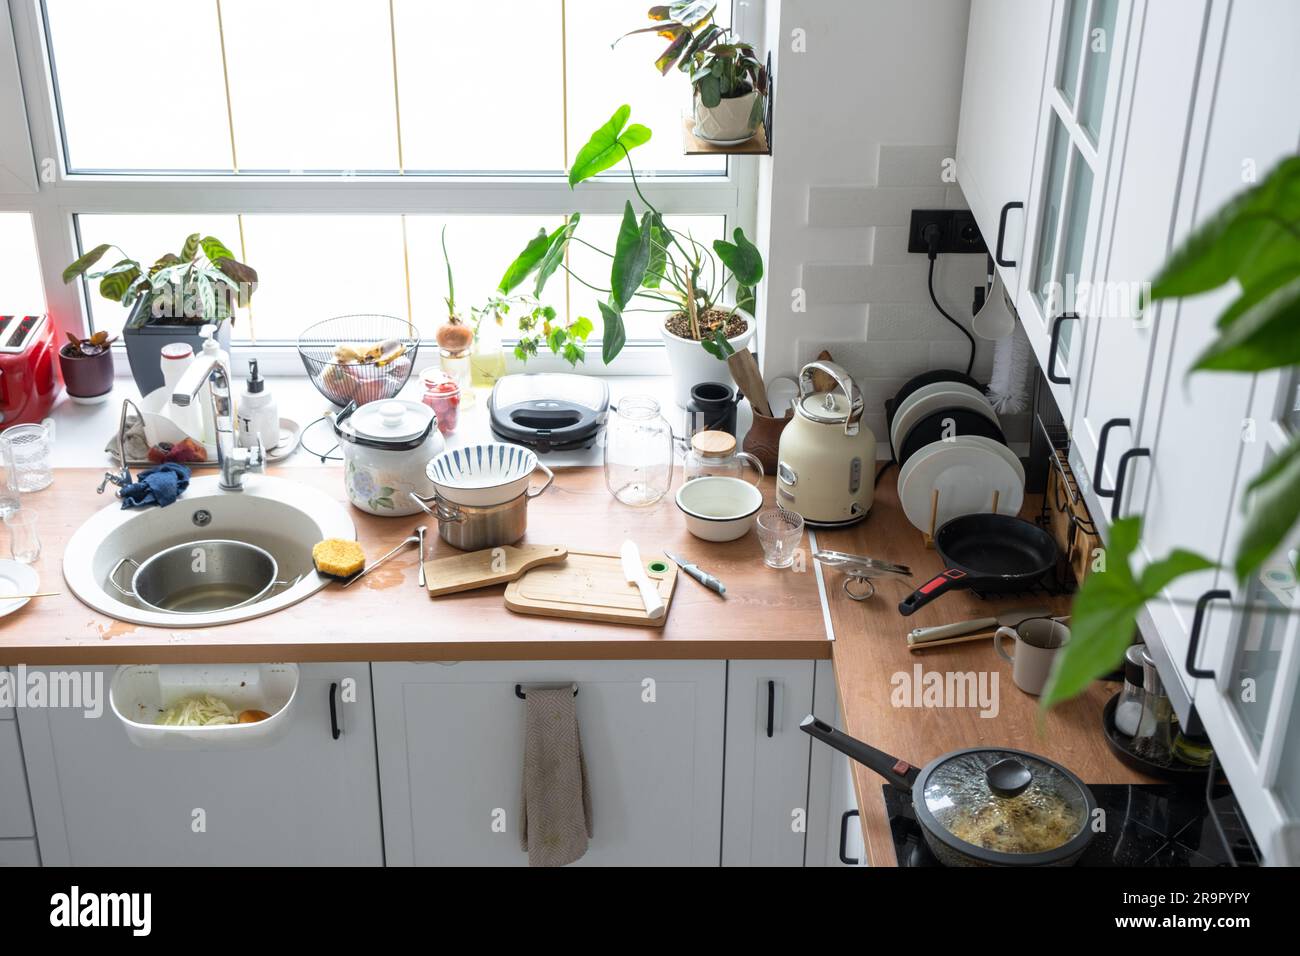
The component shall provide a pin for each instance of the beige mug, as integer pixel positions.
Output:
(1037, 642)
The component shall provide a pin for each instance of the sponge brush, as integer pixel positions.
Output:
(337, 557)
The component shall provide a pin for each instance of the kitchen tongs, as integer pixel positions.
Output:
(860, 569)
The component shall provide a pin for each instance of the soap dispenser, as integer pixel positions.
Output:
(213, 352)
(258, 415)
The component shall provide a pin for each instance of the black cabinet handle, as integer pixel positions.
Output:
(771, 705)
(1097, 474)
(334, 711)
(1124, 459)
(1194, 639)
(844, 836)
(1002, 234)
(1055, 347)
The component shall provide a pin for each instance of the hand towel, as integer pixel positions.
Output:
(556, 815)
(156, 486)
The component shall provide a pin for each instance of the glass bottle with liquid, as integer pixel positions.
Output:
(487, 361)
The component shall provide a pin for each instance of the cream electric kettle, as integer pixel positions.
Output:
(826, 465)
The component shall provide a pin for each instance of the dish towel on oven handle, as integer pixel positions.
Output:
(556, 816)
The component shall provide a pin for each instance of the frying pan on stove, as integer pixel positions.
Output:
(989, 552)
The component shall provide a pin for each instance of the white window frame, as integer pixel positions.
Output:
(61, 195)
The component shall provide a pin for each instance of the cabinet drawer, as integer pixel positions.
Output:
(18, 853)
(15, 807)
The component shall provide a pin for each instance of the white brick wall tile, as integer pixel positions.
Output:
(912, 165)
(843, 283)
(866, 205)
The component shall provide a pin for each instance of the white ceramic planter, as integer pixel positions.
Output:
(730, 120)
(691, 365)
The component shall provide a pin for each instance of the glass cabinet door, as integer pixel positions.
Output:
(1078, 102)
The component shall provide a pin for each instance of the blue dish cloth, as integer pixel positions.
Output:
(157, 486)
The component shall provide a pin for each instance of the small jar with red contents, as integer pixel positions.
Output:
(442, 394)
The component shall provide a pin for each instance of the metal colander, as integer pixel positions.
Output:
(342, 382)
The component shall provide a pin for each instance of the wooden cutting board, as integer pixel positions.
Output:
(481, 569)
(589, 586)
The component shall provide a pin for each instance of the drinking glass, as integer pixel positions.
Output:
(779, 532)
(31, 447)
(8, 479)
(24, 543)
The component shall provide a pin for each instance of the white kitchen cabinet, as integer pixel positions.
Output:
(15, 808)
(766, 814)
(451, 756)
(1006, 54)
(1156, 105)
(308, 799)
(1071, 180)
(834, 825)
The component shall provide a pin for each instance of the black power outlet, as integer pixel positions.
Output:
(957, 231)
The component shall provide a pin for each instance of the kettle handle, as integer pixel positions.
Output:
(842, 379)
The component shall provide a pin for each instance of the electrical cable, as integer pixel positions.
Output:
(970, 364)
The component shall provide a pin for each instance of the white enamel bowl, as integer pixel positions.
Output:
(482, 475)
(718, 508)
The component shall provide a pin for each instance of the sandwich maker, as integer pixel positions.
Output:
(548, 411)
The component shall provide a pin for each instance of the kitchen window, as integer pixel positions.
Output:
(327, 142)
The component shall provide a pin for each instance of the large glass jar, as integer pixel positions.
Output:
(714, 453)
(638, 452)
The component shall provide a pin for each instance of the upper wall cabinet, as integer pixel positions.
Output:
(1006, 55)
(1072, 169)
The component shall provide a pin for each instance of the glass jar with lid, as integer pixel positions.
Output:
(638, 452)
(714, 453)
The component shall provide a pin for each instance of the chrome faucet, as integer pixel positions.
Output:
(233, 462)
(122, 477)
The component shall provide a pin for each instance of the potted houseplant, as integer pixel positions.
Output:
(678, 275)
(171, 300)
(728, 82)
(87, 367)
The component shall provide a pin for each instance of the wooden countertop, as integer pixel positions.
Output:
(767, 614)
(871, 647)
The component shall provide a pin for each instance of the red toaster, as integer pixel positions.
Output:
(29, 376)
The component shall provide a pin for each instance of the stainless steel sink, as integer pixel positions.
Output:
(276, 514)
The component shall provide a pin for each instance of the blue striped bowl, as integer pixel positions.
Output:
(482, 475)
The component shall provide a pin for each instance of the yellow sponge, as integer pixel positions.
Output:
(338, 558)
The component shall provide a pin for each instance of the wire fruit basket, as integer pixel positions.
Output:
(359, 358)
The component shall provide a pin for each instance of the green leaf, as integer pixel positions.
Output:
(710, 89)
(680, 39)
(451, 285)
(191, 246)
(743, 258)
(1105, 611)
(581, 328)
(1262, 336)
(654, 271)
(118, 279)
(555, 338)
(573, 354)
(631, 256)
(607, 146)
(243, 278)
(718, 346)
(557, 245)
(614, 336)
(525, 263)
(1257, 293)
(691, 13)
(745, 299)
(702, 40)
(85, 262)
(1238, 240)
(215, 249)
(1274, 510)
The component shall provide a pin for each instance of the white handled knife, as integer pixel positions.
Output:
(634, 571)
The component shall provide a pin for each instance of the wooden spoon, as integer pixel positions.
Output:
(744, 368)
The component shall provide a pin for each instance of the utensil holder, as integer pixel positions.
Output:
(763, 440)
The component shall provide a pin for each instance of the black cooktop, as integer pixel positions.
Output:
(1145, 825)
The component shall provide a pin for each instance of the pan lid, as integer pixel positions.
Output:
(1005, 801)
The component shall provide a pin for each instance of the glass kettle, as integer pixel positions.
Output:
(714, 453)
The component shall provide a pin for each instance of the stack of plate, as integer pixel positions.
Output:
(946, 438)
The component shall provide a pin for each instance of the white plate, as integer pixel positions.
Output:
(933, 398)
(967, 472)
(16, 578)
(998, 447)
(720, 142)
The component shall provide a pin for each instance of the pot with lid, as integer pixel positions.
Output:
(985, 806)
(386, 446)
(826, 465)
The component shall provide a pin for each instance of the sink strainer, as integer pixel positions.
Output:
(201, 577)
